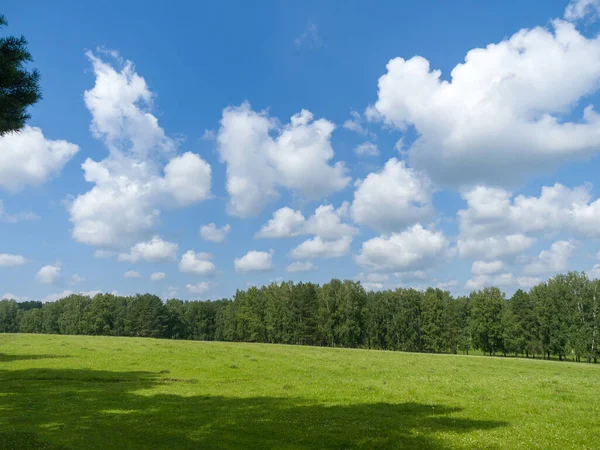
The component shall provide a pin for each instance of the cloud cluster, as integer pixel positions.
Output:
(27, 158)
(153, 250)
(501, 115)
(133, 183)
(197, 263)
(393, 198)
(254, 261)
(212, 233)
(413, 249)
(297, 158)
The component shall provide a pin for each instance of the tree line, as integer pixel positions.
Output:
(559, 318)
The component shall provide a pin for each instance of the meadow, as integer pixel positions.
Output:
(73, 392)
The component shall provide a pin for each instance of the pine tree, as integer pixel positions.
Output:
(19, 88)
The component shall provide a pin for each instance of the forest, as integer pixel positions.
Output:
(558, 318)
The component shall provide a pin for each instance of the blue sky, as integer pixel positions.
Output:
(319, 138)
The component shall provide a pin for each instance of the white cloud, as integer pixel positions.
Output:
(187, 179)
(28, 158)
(6, 259)
(297, 158)
(551, 261)
(528, 282)
(446, 285)
(153, 250)
(17, 217)
(285, 223)
(132, 274)
(493, 247)
(558, 208)
(505, 280)
(254, 261)
(578, 9)
(124, 204)
(319, 248)
(372, 281)
(487, 267)
(199, 288)
(66, 293)
(594, 272)
(393, 198)
(301, 267)
(369, 286)
(49, 274)
(76, 279)
(211, 233)
(413, 249)
(171, 293)
(157, 276)
(196, 263)
(503, 112)
(499, 280)
(366, 149)
(325, 223)
(356, 124)
(17, 298)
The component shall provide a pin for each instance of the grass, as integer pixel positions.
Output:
(103, 393)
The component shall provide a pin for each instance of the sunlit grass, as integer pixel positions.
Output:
(100, 392)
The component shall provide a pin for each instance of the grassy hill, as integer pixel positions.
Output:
(103, 392)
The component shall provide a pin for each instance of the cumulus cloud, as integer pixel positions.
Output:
(157, 276)
(366, 149)
(296, 158)
(197, 263)
(494, 247)
(301, 267)
(199, 288)
(487, 267)
(49, 274)
(133, 183)
(6, 259)
(66, 293)
(132, 274)
(153, 250)
(505, 280)
(317, 247)
(579, 9)
(393, 198)
(285, 223)
(254, 261)
(212, 233)
(76, 279)
(27, 158)
(414, 249)
(551, 261)
(326, 223)
(502, 114)
(594, 272)
(17, 298)
(558, 208)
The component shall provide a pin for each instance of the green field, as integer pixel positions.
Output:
(104, 392)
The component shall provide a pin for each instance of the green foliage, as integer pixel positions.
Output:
(486, 320)
(19, 88)
(559, 318)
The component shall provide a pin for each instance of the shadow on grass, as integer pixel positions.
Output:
(52, 408)
(9, 358)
